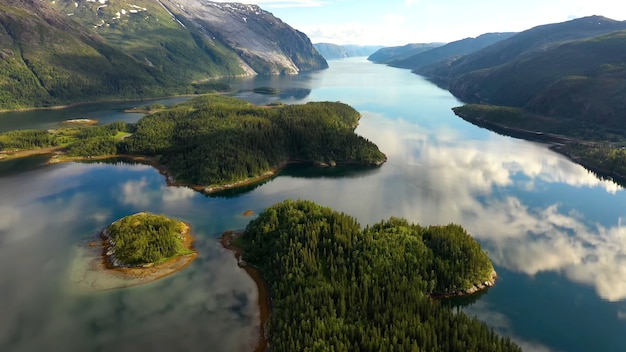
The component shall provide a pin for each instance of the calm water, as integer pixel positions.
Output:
(553, 230)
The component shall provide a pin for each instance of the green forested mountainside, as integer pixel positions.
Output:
(154, 38)
(47, 59)
(388, 54)
(144, 238)
(216, 140)
(62, 52)
(450, 50)
(335, 286)
(583, 80)
(536, 39)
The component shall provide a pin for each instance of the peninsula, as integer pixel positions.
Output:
(332, 283)
(212, 142)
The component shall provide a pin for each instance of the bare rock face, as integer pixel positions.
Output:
(266, 44)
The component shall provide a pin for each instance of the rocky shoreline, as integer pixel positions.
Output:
(480, 286)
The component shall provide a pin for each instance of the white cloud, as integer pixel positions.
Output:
(177, 194)
(134, 193)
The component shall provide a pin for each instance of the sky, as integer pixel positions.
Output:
(399, 22)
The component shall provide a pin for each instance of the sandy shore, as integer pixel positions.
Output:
(264, 297)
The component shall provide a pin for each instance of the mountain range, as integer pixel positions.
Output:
(63, 51)
(334, 51)
(395, 53)
(574, 70)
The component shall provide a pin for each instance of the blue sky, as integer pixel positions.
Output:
(398, 22)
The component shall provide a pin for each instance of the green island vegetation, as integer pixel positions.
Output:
(337, 287)
(143, 238)
(213, 139)
(217, 140)
(79, 141)
(265, 90)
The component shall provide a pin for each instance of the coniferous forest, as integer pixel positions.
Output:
(145, 238)
(337, 287)
(214, 140)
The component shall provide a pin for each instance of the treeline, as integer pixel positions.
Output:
(216, 139)
(27, 139)
(606, 160)
(79, 141)
(145, 238)
(336, 287)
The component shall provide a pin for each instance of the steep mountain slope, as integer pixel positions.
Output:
(264, 42)
(335, 51)
(62, 51)
(48, 59)
(394, 53)
(450, 50)
(516, 47)
(582, 80)
(145, 30)
(210, 39)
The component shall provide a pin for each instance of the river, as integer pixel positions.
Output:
(553, 229)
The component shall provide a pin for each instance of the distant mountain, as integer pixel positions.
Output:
(395, 53)
(563, 83)
(333, 51)
(450, 50)
(583, 80)
(516, 47)
(64, 51)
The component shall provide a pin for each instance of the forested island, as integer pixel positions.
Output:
(144, 239)
(336, 286)
(134, 250)
(214, 142)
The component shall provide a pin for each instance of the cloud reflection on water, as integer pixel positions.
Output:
(210, 304)
(485, 186)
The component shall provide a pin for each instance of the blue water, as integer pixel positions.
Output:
(553, 229)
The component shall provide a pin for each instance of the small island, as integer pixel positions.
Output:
(265, 90)
(134, 250)
(143, 240)
(81, 122)
(332, 283)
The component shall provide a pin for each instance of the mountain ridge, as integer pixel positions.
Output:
(49, 49)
